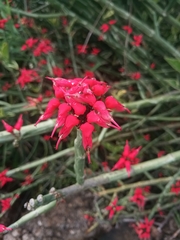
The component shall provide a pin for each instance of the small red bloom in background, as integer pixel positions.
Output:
(121, 70)
(147, 137)
(28, 180)
(6, 86)
(48, 93)
(64, 21)
(81, 49)
(143, 229)
(153, 65)
(42, 62)
(128, 29)
(105, 27)
(95, 51)
(127, 159)
(160, 153)
(4, 179)
(44, 30)
(3, 22)
(113, 208)
(137, 40)
(67, 62)
(112, 21)
(44, 166)
(88, 217)
(5, 204)
(27, 76)
(58, 72)
(175, 188)
(17, 125)
(29, 43)
(138, 198)
(43, 47)
(89, 74)
(4, 228)
(135, 75)
(105, 166)
(34, 101)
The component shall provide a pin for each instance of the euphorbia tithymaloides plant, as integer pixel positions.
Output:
(81, 103)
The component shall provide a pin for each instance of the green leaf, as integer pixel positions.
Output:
(4, 52)
(174, 63)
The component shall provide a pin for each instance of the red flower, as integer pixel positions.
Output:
(153, 65)
(64, 21)
(43, 47)
(143, 229)
(4, 179)
(82, 49)
(67, 61)
(147, 137)
(3, 22)
(58, 72)
(44, 30)
(105, 27)
(28, 180)
(95, 51)
(105, 166)
(87, 130)
(27, 76)
(128, 29)
(175, 188)
(137, 40)
(44, 166)
(17, 126)
(135, 75)
(42, 62)
(30, 42)
(34, 101)
(4, 228)
(160, 153)
(113, 208)
(6, 86)
(128, 158)
(138, 198)
(5, 204)
(112, 22)
(88, 217)
(89, 74)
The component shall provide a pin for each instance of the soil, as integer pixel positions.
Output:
(66, 222)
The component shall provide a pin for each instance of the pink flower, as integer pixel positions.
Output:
(112, 22)
(112, 104)
(70, 123)
(113, 208)
(143, 229)
(147, 137)
(5, 204)
(137, 40)
(29, 43)
(153, 65)
(87, 130)
(4, 179)
(34, 101)
(89, 74)
(3, 22)
(4, 228)
(138, 198)
(127, 159)
(17, 125)
(44, 47)
(128, 29)
(81, 49)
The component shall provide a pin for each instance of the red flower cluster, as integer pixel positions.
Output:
(3, 22)
(80, 104)
(106, 26)
(128, 29)
(58, 72)
(143, 229)
(17, 126)
(137, 40)
(113, 208)
(4, 179)
(27, 76)
(138, 197)
(39, 47)
(84, 49)
(4, 228)
(28, 180)
(128, 158)
(5, 204)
